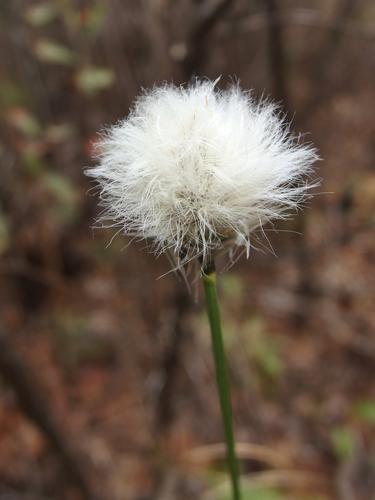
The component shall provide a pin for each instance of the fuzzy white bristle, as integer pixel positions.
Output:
(196, 169)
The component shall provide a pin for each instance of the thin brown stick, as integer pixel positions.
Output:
(245, 451)
(208, 16)
(276, 52)
(171, 359)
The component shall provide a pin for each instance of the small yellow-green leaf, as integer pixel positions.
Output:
(265, 352)
(61, 187)
(94, 18)
(26, 123)
(64, 208)
(12, 94)
(53, 53)
(232, 286)
(366, 411)
(93, 79)
(32, 157)
(40, 14)
(343, 441)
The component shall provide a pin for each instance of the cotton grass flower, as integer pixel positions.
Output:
(194, 170)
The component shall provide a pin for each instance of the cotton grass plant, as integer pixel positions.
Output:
(195, 171)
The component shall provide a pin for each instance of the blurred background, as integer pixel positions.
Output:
(107, 386)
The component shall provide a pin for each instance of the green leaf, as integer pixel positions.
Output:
(12, 94)
(40, 14)
(61, 187)
(65, 207)
(93, 79)
(94, 18)
(265, 352)
(231, 286)
(24, 122)
(366, 411)
(32, 158)
(344, 442)
(53, 53)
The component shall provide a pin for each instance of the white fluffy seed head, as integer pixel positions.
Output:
(194, 170)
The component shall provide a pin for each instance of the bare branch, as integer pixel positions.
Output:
(208, 16)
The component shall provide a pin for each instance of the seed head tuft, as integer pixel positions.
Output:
(195, 169)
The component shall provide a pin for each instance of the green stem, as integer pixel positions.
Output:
(222, 379)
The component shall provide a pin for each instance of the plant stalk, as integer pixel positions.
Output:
(222, 379)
